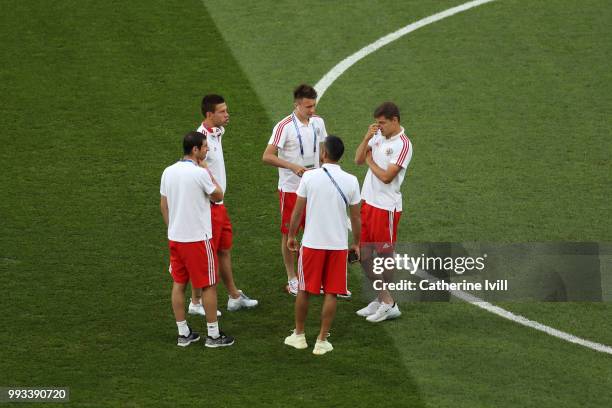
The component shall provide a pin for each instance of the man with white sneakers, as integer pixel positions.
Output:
(216, 116)
(387, 151)
(294, 149)
(186, 192)
(325, 193)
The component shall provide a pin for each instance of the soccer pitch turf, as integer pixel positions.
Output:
(507, 105)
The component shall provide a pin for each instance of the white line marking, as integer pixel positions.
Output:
(329, 78)
(476, 301)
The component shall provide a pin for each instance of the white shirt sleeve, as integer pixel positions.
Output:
(354, 196)
(400, 155)
(162, 186)
(205, 181)
(302, 190)
(323, 134)
(279, 135)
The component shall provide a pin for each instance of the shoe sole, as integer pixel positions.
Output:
(386, 317)
(186, 344)
(320, 352)
(364, 314)
(298, 347)
(242, 307)
(204, 315)
(218, 345)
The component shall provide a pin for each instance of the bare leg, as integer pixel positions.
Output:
(366, 264)
(209, 297)
(385, 295)
(301, 310)
(288, 258)
(225, 268)
(328, 312)
(178, 301)
(196, 295)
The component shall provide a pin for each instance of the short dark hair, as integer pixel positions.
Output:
(388, 110)
(334, 147)
(210, 102)
(191, 140)
(304, 91)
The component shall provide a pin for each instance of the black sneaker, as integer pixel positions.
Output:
(221, 341)
(184, 341)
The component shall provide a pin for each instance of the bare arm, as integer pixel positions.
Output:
(386, 176)
(216, 195)
(270, 156)
(163, 205)
(296, 216)
(363, 148)
(355, 215)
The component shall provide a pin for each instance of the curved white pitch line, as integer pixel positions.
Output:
(329, 78)
(476, 301)
(349, 61)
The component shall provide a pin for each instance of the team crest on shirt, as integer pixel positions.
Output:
(389, 151)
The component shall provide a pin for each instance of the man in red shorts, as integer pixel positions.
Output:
(186, 192)
(216, 116)
(294, 148)
(387, 151)
(325, 193)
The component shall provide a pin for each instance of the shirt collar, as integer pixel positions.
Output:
(396, 136)
(299, 122)
(331, 165)
(208, 129)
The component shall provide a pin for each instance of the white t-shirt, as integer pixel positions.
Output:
(187, 188)
(395, 150)
(326, 223)
(214, 157)
(285, 138)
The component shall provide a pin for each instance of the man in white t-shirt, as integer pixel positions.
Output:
(387, 151)
(216, 116)
(294, 149)
(325, 193)
(186, 192)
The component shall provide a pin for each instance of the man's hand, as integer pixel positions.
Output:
(372, 129)
(298, 170)
(355, 248)
(292, 244)
(203, 164)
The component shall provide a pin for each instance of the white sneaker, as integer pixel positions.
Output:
(369, 309)
(322, 347)
(198, 309)
(296, 340)
(242, 301)
(347, 295)
(384, 312)
(292, 287)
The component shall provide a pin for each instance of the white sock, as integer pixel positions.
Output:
(213, 329)
(183, 329)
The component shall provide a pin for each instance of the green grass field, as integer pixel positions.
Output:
(507, 105)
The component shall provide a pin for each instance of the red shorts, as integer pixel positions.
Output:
(379, 228)
(221, 227)
(323, 268)
(195, 261)
(287, 202)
